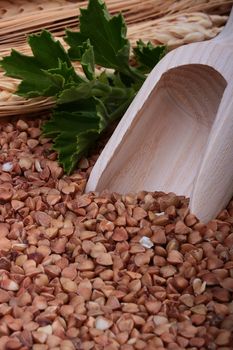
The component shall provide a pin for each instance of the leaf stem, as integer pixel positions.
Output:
(118, 113)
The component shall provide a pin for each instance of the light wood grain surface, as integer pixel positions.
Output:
(177, 135)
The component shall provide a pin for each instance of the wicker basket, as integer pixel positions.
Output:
(169, 22)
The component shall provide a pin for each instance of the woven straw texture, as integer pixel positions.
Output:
(169, 22)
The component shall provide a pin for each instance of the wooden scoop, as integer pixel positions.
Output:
(177, 134)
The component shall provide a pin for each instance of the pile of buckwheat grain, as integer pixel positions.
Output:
(104, 271)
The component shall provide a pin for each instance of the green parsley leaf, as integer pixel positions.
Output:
(45, 73)
(85, 105)
(148, 55)
(46, 51)
(107, 35)
(74, 129)
(88, 60)
(35, 81)
(75, 93)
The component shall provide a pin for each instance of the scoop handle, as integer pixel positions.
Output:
(226, 35)
(214, 183)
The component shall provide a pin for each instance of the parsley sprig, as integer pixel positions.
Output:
(85, 104)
